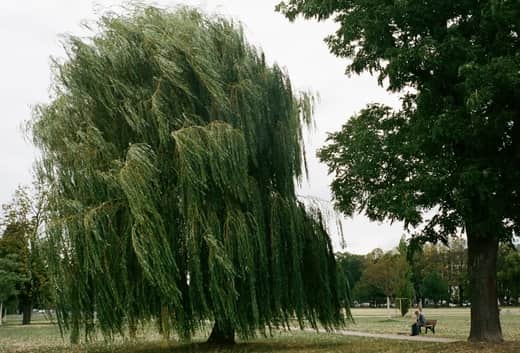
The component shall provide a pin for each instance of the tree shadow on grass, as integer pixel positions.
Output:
(241, 347)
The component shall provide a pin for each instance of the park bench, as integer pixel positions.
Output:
(430, 324)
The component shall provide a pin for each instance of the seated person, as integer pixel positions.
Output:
(419, 322)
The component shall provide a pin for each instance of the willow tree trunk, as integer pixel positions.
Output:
(27, 307)
(222, 333)
(482, 266)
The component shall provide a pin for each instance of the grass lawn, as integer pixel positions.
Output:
(452, 322)
(44, 337)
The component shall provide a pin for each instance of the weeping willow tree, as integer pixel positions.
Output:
(172, 150)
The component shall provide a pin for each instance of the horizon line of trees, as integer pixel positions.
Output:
(433, 275)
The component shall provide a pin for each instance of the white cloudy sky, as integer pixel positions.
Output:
(31, 32)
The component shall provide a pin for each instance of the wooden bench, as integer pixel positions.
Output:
(430, 324)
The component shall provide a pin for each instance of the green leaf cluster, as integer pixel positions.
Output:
(172, 150)
(454, 146)
(448, 159)
(24, 277)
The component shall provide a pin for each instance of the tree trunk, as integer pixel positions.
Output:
(74, 331)
(164, 323)
(132, 328)
(27, 307)
(1, 312)
(223, 333)
(482, 266)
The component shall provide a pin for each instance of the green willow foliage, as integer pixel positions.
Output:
(172, 150)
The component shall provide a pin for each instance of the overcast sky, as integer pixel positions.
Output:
(31, 31)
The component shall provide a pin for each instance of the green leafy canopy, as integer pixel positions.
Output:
(172, 150)
(452, 150)
(453, 147)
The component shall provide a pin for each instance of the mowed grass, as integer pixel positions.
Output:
(283, 342)
(44, 337)
(451, 323)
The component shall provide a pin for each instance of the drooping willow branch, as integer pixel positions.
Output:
(172, 151)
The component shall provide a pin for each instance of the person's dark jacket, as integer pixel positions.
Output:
(421, 320)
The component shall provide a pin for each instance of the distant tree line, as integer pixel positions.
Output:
(434, 274)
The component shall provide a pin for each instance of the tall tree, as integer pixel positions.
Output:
(173, 149)
(22, 245)
(384, 277)
(448, 261)
(453, 148)
(435, 287)
(405, 291)
(457, 273)
(509, 274)
(10, 280)
(352, 265)
(424, 259)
